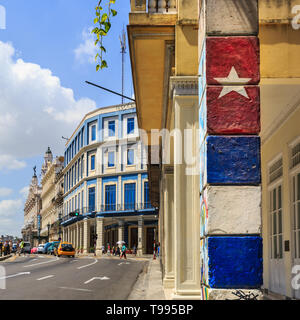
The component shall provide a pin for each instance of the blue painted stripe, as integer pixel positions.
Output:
(235, 262)
(233, 160)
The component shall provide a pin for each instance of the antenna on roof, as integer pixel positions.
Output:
(123, 52)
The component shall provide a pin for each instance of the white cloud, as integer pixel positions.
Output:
(4, 192)
(35, 110)
(87, 50)
(11, 216)
(7, 162)
(24, 192)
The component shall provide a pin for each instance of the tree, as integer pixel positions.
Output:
(104, 13)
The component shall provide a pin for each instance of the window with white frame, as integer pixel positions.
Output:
(276, 226)
(130, 157)
(295, 155)
(296, 214)
(275, 170)
(93, 132)
(110, 159)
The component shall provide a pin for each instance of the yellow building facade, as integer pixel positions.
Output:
(166, 40)
(280, 116)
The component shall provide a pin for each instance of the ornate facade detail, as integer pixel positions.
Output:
(183, 85)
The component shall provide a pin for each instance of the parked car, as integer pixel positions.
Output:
(40, 248)
(46, 246)
(34, 250)
(65, 249)
(27, 247)
(53, 246)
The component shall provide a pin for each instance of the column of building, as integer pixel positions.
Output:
(231, 244)
(86, 235)
(140, 236)
(186, 188)
(100, 236)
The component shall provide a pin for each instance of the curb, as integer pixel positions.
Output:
(5, 257)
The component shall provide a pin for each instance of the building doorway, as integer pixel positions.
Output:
(150, 240)
(133, 237)
(296, 226)
(277, 268)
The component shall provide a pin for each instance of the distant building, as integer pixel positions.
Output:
(52, 192)
(32, 209)
(106, 191)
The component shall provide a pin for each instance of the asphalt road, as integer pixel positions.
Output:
(38, 277)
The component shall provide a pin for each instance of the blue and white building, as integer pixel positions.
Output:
(106, 190)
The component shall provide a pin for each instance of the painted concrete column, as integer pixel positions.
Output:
(140, 249)
(78, 235)
(86, 236)
(169, 239)
(120, 231)
(186, 188)
(100, 236)
(230, 178)
(81, 235)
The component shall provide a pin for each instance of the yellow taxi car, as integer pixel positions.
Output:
(65, 249)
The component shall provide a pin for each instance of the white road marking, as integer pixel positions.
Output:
(73, 261)
(97, 278)
(88, 264)
(76, 289)
(15, 275)
(44, 278)
(36, 264)
(123, 263)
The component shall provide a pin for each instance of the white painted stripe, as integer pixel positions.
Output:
(36, 264)
(44, 278)
(15, 275)
(76, 289)
(88, 264)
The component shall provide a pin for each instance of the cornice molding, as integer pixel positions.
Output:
(183, 86)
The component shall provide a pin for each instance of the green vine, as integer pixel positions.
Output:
(103, 16)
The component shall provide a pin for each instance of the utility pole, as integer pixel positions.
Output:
(123, 52)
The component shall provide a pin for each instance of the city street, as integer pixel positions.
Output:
(43, 278)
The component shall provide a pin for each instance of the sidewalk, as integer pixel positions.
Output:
(149, 283)
(5, 257)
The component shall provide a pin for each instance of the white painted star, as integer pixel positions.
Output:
(233, 79)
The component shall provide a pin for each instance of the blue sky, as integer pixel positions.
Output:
(46, 54)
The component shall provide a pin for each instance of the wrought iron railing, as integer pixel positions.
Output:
(107, 208)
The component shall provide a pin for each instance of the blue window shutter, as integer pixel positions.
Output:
(92, 162)
(111, 159)
(146, 195)
(110, 197)
(130, 156)
(129, 196)
(130, 125)
(91, 199)
(111, 128)
(93, 132)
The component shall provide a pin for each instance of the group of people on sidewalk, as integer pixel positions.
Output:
(5, 248)
(117, 251)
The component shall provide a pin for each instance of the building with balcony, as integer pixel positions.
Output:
(106, 190)
(51, 196)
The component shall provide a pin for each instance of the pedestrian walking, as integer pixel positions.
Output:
(1, 248)
(134, 250)
(158, 249)
(154, 250)
(124, 248)
(22, 247)
(118, 251)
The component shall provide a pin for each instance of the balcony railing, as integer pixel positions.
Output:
(154, 6)
(128, 207)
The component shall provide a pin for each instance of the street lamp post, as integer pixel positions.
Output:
(48, 226)
(59, 226)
